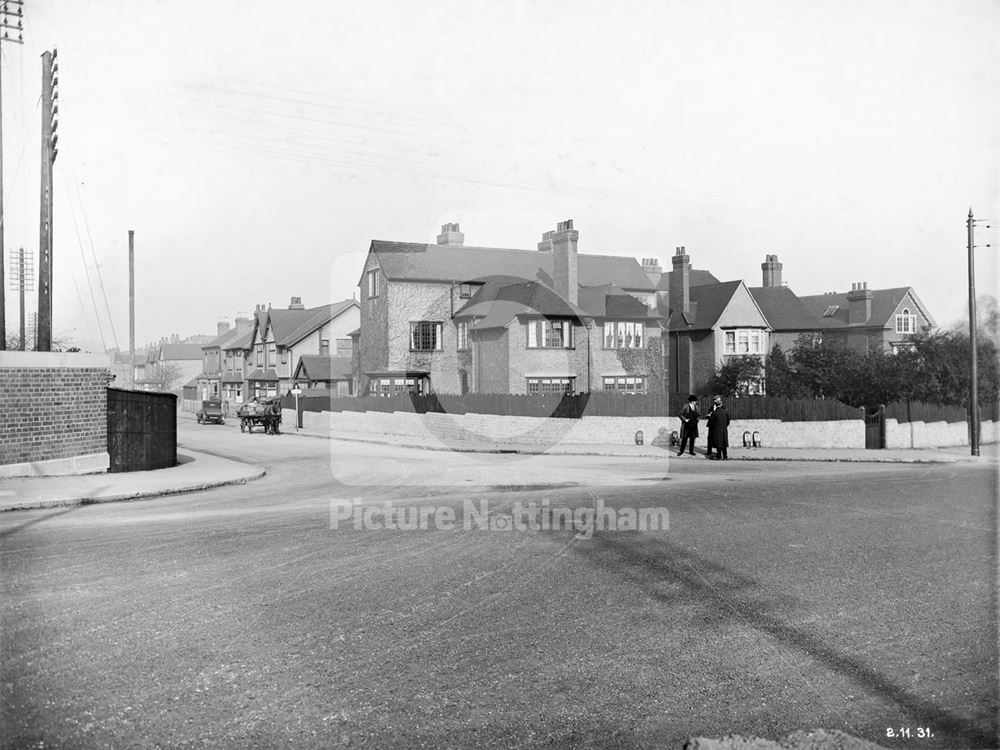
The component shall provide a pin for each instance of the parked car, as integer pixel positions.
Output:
(211, 412)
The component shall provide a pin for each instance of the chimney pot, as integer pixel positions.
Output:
(451, 235)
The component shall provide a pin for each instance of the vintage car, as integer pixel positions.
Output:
(211, 412)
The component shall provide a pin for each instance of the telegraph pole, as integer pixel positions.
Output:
(6, 16)
(50, 107)
(131, 307)
(973, 355)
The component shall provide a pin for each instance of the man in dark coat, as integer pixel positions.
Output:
(718, 430)
(689, 424)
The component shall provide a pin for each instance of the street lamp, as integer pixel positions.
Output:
(296, 391)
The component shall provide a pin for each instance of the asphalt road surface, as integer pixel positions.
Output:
(784, 596)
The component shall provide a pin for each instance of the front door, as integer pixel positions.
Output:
(874, 427)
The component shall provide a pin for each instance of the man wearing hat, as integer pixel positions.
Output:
(689, 424)
(718, 430)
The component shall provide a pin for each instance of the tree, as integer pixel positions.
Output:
(168, 376)
(779, 376)
(738, 376)
(648, 362)
(821, 367)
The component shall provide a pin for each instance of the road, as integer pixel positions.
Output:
(784, 596)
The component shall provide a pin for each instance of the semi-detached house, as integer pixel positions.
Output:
(452, 318)
(280, 337)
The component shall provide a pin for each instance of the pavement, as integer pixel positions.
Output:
(197, 470)
(194, 471)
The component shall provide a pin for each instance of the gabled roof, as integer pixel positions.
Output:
(266, 375)
(501, 299)
(696, 277)
(884, 304)
(409, 261)
(318, 367)
(785, 311)
(610, 301)
(174, 352)
(224, 341)
(708, 301)
(243, 342)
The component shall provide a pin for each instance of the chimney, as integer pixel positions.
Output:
(242, 322)
(680, 282)
(860, 299)
(772, 271)
(222, 327)
(450, 235)
(546, 242)
(564, 277)
(296, 304)
(651, 267)
(261, 308)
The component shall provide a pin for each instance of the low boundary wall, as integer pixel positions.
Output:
(451, 429)
(936, 434)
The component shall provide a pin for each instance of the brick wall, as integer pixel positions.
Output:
(53, 407)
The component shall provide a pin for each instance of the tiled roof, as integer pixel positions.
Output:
(444, 263)
(318, 367)
(610, 301)
(501, 299)
(785, 311)
(243, 342)
(696, 277)
(225, 340)
(266, 375)
(232, 378)
(884, 304)
(708, 301)
(289, 330)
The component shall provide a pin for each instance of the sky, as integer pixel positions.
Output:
(256, 148)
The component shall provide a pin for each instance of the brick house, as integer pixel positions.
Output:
(452, 318)
(213, 369)
(863, 319)
(281, 337)
(709, 321)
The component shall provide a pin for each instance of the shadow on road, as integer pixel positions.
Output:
(6, 533)
(649, 563)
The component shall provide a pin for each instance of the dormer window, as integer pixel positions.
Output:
(830, 311)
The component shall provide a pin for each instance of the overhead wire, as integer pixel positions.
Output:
(86, 270)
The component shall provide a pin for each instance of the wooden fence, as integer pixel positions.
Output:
(142, 430)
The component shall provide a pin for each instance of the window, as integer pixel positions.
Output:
(462, 329)
(467, 290)
(745, 341)
(627, 383)
(621, 334)
(425, 336)
(324, 347)
(906, 323)
(260, 354)
(830, 311)
(270, 355)
(550, 385)
(391, 386)
(284, 355)
(373, 283)
(550, 334)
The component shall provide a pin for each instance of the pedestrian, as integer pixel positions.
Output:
(718, 430)
(689, 424)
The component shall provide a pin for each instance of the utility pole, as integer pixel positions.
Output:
(974, 431)
(131, 307)
(50, 107)
(973, 355)
(6, 15)
(22, 279)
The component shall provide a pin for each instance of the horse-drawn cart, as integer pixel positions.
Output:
(257, 413)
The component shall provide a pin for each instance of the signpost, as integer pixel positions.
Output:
(296, 391)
